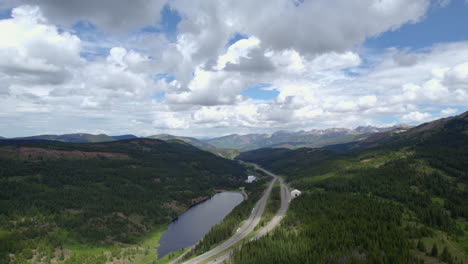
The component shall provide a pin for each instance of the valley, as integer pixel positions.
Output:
(389, 198)
(62, 199)
(375, 203)
(233, 132)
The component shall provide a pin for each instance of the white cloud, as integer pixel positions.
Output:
(112, 15)
(209, 88)
(40, 63)
(448, 112)
(29, 48)
(282, 24)
(310, 57)
(167, 120)
(307, 30)
(236, 51)
(415, 118)
(457, 77)
(288, 61)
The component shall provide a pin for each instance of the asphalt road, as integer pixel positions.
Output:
(244, 230)
(285, 199)
(249, 224)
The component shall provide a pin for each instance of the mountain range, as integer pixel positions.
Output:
(77, 138)
(279, 139)
(406, 136)
(192, 141)
(393, 197)
(292, 140)
(397, 195)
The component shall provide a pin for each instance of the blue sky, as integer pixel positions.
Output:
(209, 68)
(260, 92)
(170, 18)
(441, 24)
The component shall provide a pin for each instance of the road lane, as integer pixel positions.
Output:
(243, 232)
(285, 199)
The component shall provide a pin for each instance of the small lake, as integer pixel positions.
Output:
(197, 221)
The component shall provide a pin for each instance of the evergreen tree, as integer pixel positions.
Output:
(446, 256)
(434, 251)
(421, 246)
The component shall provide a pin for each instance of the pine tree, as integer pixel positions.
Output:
(446, 256)
(421, 246)
(434, 251)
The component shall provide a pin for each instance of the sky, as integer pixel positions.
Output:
(208, 68)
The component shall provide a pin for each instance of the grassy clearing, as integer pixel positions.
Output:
(141, 253)
(441, 240)
(225, 153)
(168, 257)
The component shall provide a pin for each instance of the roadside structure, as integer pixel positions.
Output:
(295, 193)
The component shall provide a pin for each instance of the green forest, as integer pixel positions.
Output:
(58, 197)
(405, 201)
(396, 198)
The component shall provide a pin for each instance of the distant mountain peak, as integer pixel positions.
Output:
(78, 138)
(189, 140)
(291, 139)
(454, 126)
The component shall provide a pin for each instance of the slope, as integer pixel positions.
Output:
(53, 194)
(286, 161)
(72, 138)
(122, 137)
(78, 138)
(285, 139)
(192, 141)
(403, 136)
(401, 200)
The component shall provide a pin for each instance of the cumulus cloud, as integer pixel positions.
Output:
(305, 26)
(39, 62)
(29, 48)
(113, 15)
(310, 58)
(307, 29)
(415, 118)
(120, 75)
(172, 121)
(448, 112)
(209, 88)
(457, 77)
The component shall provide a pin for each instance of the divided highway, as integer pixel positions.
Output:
(249, 225)
(285, 199)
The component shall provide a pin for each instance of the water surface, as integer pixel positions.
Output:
(192, 225)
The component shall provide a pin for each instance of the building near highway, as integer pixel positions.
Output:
(250, 179)
(295, 193)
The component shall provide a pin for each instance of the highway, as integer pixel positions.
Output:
(285, 199)
(249, 224)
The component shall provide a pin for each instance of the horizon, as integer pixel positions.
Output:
(207, 69)
(219, 136)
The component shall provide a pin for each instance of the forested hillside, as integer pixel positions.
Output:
(405, 200)
(58, 196)
(285, 161)
(77, 138)
(192, 141)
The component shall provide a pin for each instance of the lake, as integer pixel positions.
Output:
(197, 221)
